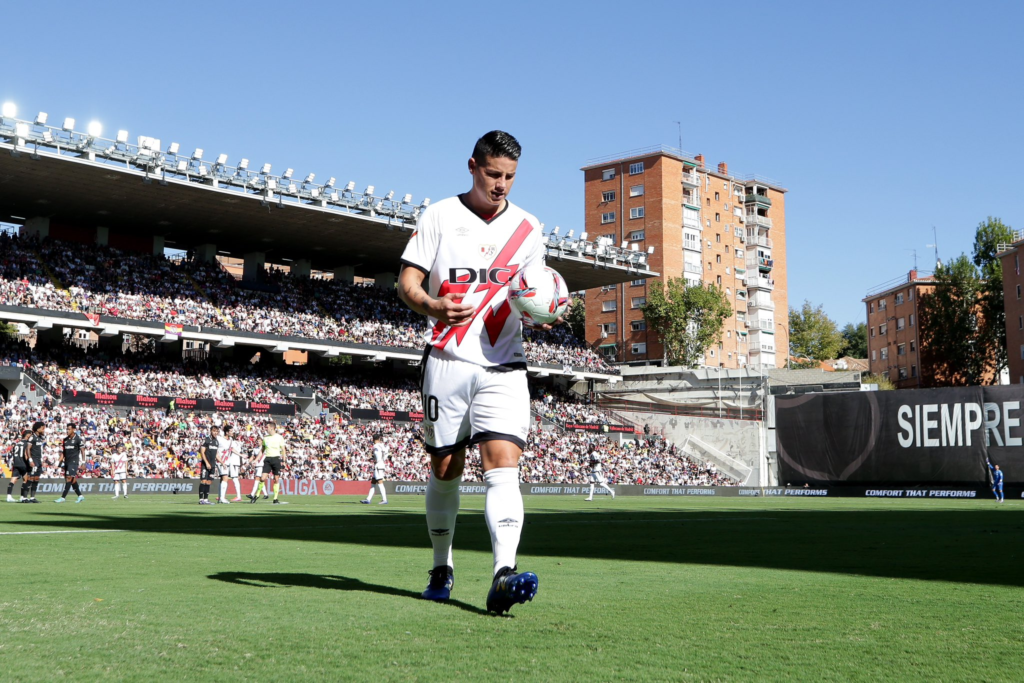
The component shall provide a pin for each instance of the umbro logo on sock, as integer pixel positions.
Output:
(508, 521)
(439, 532)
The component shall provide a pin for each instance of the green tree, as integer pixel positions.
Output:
(990, 234)
(576, 317)
(813, 334)
(688, 319)
(883, 382)
(855, 340)
(953, 336)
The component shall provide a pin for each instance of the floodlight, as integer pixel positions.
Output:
(122, 136)
(635, 246)
(407, 199)
(69, 124)
(271, 184)
(583, 236)
(650, 250)
(569, 235)
(555, 231)
(315, 192)
(173, 148)
(201, 170)
(425, 203)
(369, 191)
(351, 187)
(198, 154)
(266, 169)
(9, 110)
(330, 182)
(292, 188)
(21, 129)
(288, 174)
(334, 196)
(182, 166)
(309, 178)
(47, 137)
(95, 128)
(222, 159)
(625, 243)
(41, 118)
(243, 164)
(389, 195)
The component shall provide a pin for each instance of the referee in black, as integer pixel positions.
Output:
(70, 457)
(35, 451)
(19, 466)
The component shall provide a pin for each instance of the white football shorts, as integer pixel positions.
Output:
(227, 470)
(120, 475)
(465, 403)
(598, 478)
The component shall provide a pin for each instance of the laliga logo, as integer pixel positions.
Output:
(468, 276)
(328, 488)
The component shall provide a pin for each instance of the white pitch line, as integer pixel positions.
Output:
(66, 531)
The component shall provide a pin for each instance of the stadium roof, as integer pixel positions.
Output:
(88, 181)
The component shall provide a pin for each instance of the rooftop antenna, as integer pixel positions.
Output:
(679, 127)
(935, 246)
(914, 252)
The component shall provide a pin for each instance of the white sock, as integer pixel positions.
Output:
(369, 496)
(238, 487)
(117, 489)
(383, 493)
(608, 488)
(591, 490)
(223, 490)
(442, 509)
(503, 509)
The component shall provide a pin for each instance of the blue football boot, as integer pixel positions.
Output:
(510, 588)
(441, 581)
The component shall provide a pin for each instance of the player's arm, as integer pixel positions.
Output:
(536, 258)
(202, 454)
(447, 309)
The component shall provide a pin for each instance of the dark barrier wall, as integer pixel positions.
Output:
(172, 403)
(389, 415)
(928, 436)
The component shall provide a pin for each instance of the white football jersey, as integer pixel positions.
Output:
(378, 455)
(460, 252)
(119, 462)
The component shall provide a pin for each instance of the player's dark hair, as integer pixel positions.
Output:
(497, 143)
(72, 425)
(37, 425)
(26, 432)
(228, 429)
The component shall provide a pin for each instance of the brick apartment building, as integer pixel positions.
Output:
(894, 347)
(1013, 284)
(705, 225)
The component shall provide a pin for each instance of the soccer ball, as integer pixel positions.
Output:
(539, 294)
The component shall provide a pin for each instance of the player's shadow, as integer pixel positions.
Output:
(328, 582)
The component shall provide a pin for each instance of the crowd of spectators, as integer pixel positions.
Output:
(564, 408)
(107, 281)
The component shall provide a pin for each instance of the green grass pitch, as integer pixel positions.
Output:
(630, 589)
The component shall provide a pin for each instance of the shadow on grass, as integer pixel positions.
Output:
(337, 583)
(975, 545)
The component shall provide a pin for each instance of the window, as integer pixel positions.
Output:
(718, 237)
(728, 334)
(608, 306)
(638, 325)
(901, 323)
(718, 217)
(901, 350)
(903, 373)
(910, 295)
(608, 196)
(639, 349)
(636, 168)
(883, 328)
(638, 283)
(871, 307)
(636, 212)
(899, 298)
(1018, 291)
(885, 353)
(637, 235)
(707, 200)
(716, 196)
(608, 174)
(718, 258)
(874, 355)
(913, 345)
(718, 280)
(711, 353)
(609, 328)
(913, 371)
(739, 253)
(911, 319)
(608, 217)
(741, 316)
(636, 191)
(638, 301)
(1020, 322)
(608, 351)
(881, 304)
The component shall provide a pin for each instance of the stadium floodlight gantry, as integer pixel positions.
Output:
(183, 200)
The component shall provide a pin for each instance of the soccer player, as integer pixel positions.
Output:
(597, 474)
(35, 451)
(20, 466)
(224, 459)
(235, 468)
(997, 480)
(274, 451)
(208, 455)
(456, 269)
(379, 454)
(70, 457)
(119, 469)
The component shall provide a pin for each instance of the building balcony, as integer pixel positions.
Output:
(690, 179)
(759, 281)
(758, 220)
(693, 268)
(755, 240)
(758, 199)
(692, 223)
(763, 264)
(765, 324)
(692, 200)
(760, 303)
(763, 348)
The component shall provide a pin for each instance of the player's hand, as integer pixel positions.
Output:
(545, 327)
(451, 311)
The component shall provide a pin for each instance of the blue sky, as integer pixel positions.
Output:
(882, 119)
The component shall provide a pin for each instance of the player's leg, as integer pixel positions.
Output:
(10, 488)
(383, 493)
(500, 419)
(369, 495)
(446, 430)
(604, 484)
(590, 496)
(223, 497)
(237, 482)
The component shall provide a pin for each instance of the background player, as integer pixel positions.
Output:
(597, 473)
(224, 448)
(456, 270)
(256, 459)
(36, 443)
(208, 470)
(119, 469)
(379, 455)
(275, 450)
(20, 466)
(235, 468)
(997, 480)
(70, 457)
